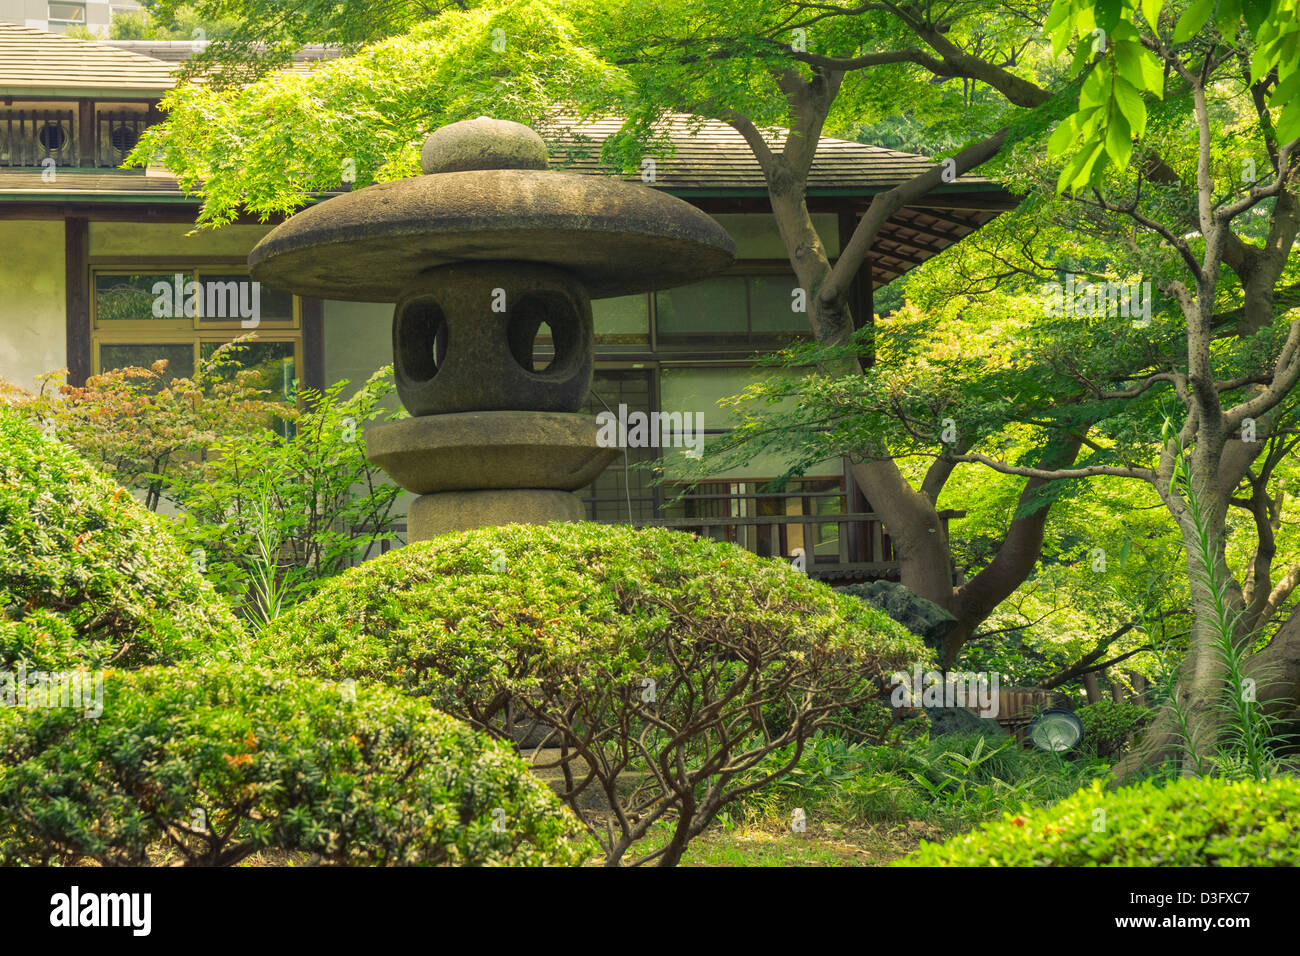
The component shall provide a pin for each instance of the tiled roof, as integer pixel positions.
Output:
(718, 156)
(178, 51)
(712, 158)
(33, 63)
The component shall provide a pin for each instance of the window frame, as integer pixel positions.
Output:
(62, 21)
(751, 339)
(192, 331)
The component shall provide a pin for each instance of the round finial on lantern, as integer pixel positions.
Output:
(482, 143)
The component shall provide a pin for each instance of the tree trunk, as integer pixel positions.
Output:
(915, 528)
(1092, 687)
(912, 517)
(1201, 677)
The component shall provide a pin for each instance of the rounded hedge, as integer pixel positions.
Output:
(580, 601)
(88, 577)
(1187, 822)
(218, 763)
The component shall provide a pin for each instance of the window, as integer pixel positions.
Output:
(52, 137)
(737, 310)
(123, 138)
(623, 491)
(67, 13)
(183, 315)
(714, 309)
(624, 320)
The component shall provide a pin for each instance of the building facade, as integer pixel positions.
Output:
(58, 16)
(83, 242)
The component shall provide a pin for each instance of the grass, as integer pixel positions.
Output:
(822, 844)
(765, 844)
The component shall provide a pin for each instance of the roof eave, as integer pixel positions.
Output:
(85, 92)
(94, 196)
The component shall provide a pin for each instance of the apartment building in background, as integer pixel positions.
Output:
(57, 16)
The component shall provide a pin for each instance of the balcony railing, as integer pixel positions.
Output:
(834, 545)
(30, 137)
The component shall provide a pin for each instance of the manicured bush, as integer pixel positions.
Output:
(651, 654)
(1188, 822)
(88, 577)
(214, 764)
(1109, 727)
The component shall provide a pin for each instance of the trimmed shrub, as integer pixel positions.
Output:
(1109, 727)
(649, 656)
(1188, 822)
(88, 577)
(220, 763)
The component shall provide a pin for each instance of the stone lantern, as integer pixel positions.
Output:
(479, 253)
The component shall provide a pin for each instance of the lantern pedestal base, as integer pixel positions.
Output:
(449, 511)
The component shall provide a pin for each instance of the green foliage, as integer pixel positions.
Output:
(182, 23)
(1119, 70)
(1188, 822)
(300, 133)
(89, 578)
(1109, 727)
(410, 69)
(873, 721)
(652, 654)
(146, 429)
(951, 780)
(272, 497)
(219, 763)
(276, 514)
(251, 37)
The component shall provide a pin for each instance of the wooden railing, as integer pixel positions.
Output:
(29, 137)
(859, 550)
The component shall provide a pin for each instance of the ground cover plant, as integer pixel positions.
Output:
(648, 656)
(952, 781)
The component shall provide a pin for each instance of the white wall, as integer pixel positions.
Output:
(33, 315)
(170, 239)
